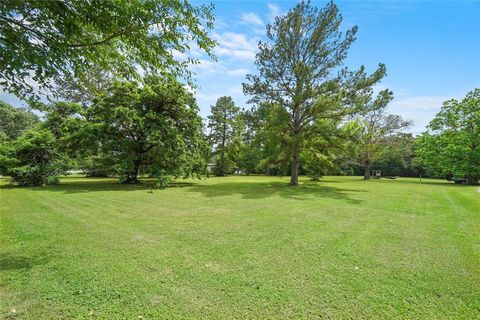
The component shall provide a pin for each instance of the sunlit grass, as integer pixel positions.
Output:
(241, 247)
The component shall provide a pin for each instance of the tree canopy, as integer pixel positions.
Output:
(222, 123)
(300, 70)
(152, 129)
(376, 130)
(15, 121)
(46, 41)
(452, 143)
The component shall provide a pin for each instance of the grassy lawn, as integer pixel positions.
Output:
(241, 247)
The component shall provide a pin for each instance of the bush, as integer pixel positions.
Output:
(33, 159)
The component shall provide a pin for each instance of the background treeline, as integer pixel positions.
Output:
(121, 103)
(130, 130)
(154, 130)
(248, 142)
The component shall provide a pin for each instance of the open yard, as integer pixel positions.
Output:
(241, 247)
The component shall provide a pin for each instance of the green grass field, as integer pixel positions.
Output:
(241, 247)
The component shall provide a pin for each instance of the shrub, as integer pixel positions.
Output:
(33, 159)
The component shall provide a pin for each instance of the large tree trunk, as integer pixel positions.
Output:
(221, 169)
(366, 172)
(295, 166)
(472, 180)
(296, 149)
(132, 176)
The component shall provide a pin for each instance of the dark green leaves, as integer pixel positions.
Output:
(153, 129)
(47, 41)
(452, 145)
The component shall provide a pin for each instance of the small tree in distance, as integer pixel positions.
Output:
(376, 128)
(222, 125)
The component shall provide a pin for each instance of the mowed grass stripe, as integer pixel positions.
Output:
(241, 247)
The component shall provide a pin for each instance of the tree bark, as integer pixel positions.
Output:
(296, 148)
(222, 154)
(472, 180)
(294, 172)
(366, 172)
(133, 175)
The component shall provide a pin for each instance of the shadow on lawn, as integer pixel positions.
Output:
(446, 184)
(248, 190)
(260, 190)
(11, 261)
(95, 185)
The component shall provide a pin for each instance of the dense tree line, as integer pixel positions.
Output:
(309, 114)
(372, 140)
(451, 146)
(151, 129)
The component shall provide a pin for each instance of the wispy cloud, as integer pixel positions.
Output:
(419, 109)
(250, 18)
(207, 68)
(273, 11)
(236, 45)
(238, 72)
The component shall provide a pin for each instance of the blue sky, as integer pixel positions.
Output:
(431, 50)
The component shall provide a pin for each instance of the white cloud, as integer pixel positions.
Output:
(235, 45)
(207, 68)
(273, 11)
(237, 53)
(419, 103)
(11, 99)
(251, 18)
(206, 65)
(419, 109)
(220, 23)
(236, 91)
(238, 72)
(207, 99)
(179, 56)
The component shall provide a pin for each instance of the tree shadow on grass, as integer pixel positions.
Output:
(12, 261)
(98, 184)
(260, 190)
(247, 189)
(446, 184)
(432, 182)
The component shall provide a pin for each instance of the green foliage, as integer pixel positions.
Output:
(300, 72)
(15, 121)
(376, 138)
(152, 129)
(83, 91)
(452, 143)
(33, 159)
(250, 144)
(49, 41)
(95, 166)
(163, 181)
(321, 150)
(399, 157)
(224, 126)
(316, 164)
